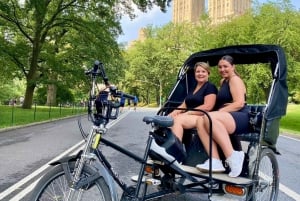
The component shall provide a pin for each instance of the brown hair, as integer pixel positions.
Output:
(230, 60)
(203, 65)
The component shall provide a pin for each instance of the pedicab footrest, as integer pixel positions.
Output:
(223, 177)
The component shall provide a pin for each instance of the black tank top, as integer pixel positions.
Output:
(224, 95)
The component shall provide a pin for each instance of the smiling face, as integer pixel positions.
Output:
(226, 69)
(201, 74)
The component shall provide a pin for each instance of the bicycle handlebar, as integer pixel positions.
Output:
(122, 94)
(98, 71)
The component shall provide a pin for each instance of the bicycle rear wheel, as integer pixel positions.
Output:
(268, 177)
(54, 186)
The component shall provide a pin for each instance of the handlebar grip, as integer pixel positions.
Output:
(96, 66)
(128, 96)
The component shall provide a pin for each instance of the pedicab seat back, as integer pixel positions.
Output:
(270, 129)
(255, 117)
(256, 113)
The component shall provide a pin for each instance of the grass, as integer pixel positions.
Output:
(15, 115)
(291, 122)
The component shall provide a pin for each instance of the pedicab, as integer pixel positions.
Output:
(259, 179)
(89, 175)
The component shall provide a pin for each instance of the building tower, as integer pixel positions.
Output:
(187, 10)
(142, 34)
(223, 10)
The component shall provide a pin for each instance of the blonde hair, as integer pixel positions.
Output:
(203, 65)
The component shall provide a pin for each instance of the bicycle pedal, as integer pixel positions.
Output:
(135, 178)
(154, 182)
(146, 179)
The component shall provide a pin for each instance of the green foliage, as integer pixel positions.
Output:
(64, 95)
(157, 60)
(52, 42)
(160, 56)
(294, 97)
(40, 96)
(10, 89)
(46, 41)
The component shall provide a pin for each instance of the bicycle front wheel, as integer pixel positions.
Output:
(268, 177)
(54, 186)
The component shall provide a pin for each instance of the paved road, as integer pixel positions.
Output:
(23, 151)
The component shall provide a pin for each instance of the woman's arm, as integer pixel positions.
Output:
(176, 112)
(208, 105)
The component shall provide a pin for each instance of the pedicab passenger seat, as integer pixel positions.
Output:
(255, 121)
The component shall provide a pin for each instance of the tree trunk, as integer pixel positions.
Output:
(51, 94)
(28, 95)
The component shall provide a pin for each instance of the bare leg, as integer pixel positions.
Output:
(177, 128)
(181, 122)
(222, 125)
(203, 133)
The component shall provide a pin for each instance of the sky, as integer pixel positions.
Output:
(155, 18)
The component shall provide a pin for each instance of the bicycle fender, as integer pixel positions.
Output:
(67, 159)
(108, 179)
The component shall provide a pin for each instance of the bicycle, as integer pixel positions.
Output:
(90, 176)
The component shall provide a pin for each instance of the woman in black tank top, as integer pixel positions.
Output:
(231, 116)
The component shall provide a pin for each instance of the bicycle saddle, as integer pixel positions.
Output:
(163, 121)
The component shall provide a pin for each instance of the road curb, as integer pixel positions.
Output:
(292, 135)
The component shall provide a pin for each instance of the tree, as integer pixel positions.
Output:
(30, 28)
(156, 60)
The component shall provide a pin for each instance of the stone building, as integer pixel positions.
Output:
(223, 10)
(187, 10)
(218, 10)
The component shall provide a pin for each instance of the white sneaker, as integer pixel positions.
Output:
(161, 151)
(217, 166)
(235, 162)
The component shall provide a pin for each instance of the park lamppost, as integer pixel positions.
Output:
(160, 89)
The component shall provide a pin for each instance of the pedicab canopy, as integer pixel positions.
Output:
(250, 54)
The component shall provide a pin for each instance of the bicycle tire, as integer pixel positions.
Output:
(53, 186)
(268, 177)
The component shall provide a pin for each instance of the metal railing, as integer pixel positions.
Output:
(13, 115)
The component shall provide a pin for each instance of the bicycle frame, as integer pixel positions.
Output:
(85, 156)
